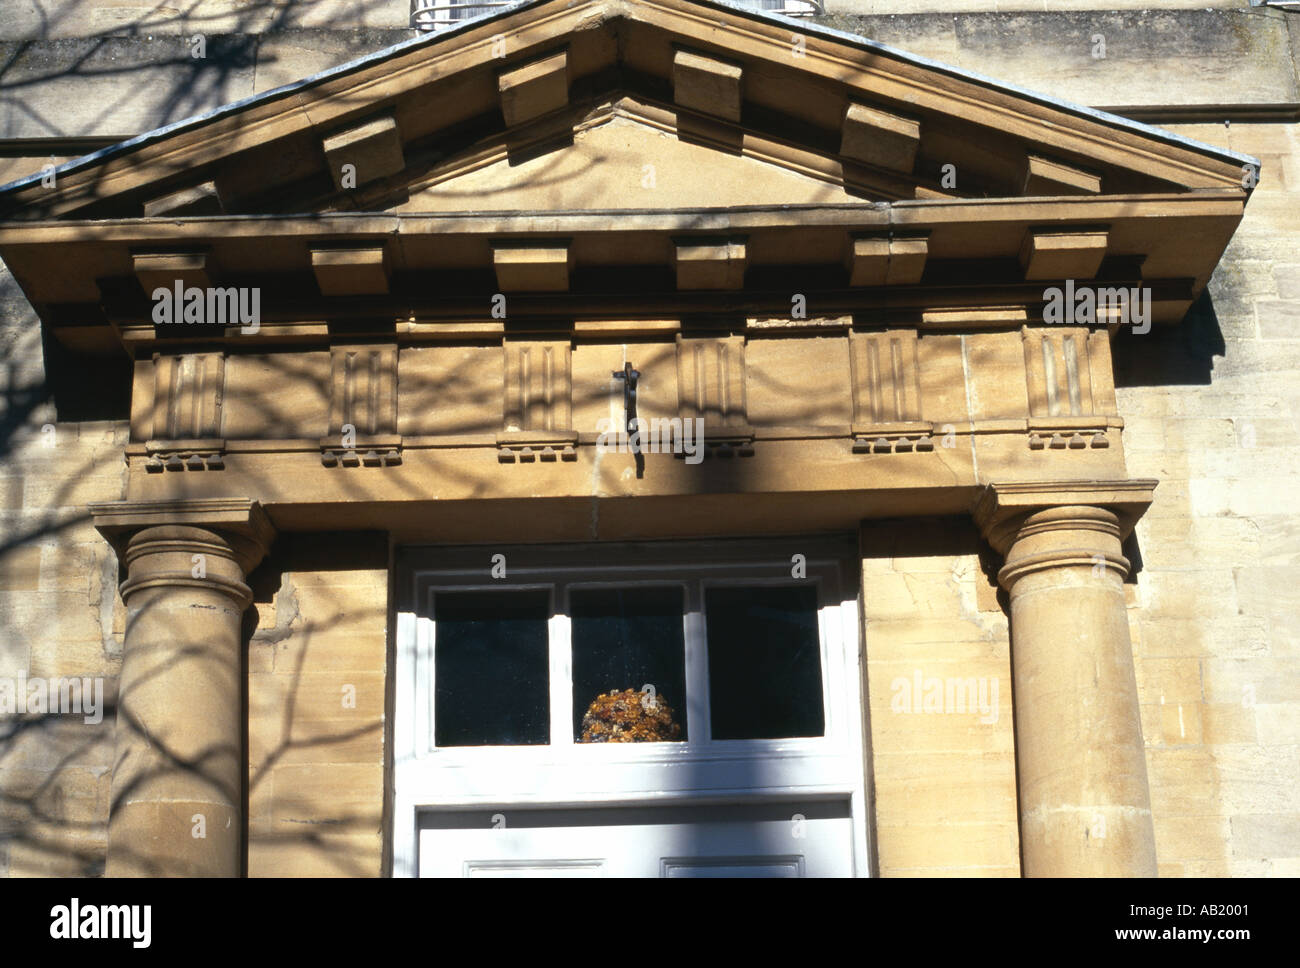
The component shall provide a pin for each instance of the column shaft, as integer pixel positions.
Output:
(176, 791)
(1084, 801)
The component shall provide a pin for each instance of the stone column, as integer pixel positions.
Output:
(1085, 808)
(179, 761)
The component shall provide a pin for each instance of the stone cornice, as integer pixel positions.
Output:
(913, 214)
(82, 276)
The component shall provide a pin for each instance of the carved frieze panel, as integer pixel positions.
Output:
(886, 383)
(1064, 411)
(1058, 383)
(537, 419)
(186, 427)
(363, 407)
(711, 388)
(886, 377)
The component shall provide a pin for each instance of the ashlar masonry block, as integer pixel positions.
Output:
(707, 84)
(373, 149)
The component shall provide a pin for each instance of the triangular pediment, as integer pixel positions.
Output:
(862, 110)
(629, 133)
(628, 154)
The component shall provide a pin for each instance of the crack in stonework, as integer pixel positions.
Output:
(965, 376)
(1122, 810)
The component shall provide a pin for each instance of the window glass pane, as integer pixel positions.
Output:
(765, 673)
(625, 639)
(490, 668)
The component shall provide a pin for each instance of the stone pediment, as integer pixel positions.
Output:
(626, 154)
(511, 154)
(849, 109)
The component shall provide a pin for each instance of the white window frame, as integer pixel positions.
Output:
(439, 14)
(567, 774)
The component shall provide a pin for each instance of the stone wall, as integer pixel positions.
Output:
(43, 19)
(1105, 58)
(942, 767)
(316, 696)
(1214, 636)
(60, 614)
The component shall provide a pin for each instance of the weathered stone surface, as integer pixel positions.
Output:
(287, 56)
(53, 19)
(1265, 837)
(1171, 56)
(1208, 411)
(118, 86)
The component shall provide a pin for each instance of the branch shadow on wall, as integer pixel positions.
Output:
(161, 39)
(38, 814)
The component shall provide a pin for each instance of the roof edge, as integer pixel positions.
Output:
(813, 29)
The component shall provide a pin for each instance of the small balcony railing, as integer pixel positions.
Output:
(440, 14)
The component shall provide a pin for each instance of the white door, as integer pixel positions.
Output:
(519, 670)
(728, 840)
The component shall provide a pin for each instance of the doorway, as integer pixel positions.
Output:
(683, 709)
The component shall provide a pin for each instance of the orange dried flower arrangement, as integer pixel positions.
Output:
(628, 716)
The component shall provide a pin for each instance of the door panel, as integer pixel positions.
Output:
(739, 840)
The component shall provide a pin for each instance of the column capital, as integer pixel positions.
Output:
(1002, 508)
(241, 520)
